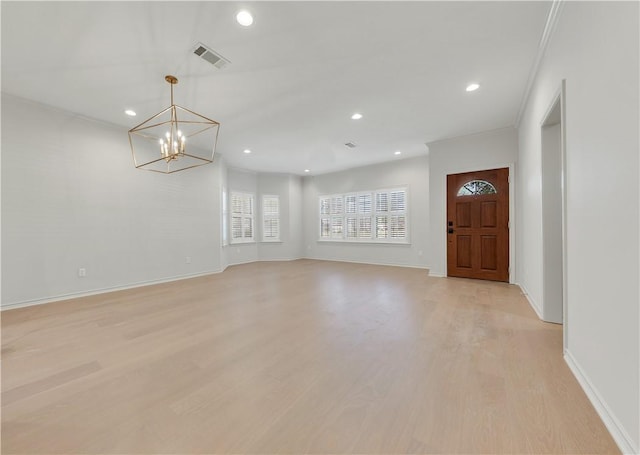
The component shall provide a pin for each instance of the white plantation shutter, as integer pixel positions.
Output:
(398, 201)
(364, 203)
(398, 227)
(336, 205)
(236, 228)
(247, 205)
(350, 202)
(325, 206)
(382, 227)
(247, 228)
(352, 228)
(325, 228)
(336, 227)
(373, 216)
(270, 218)
(364, 228)
(242, 218)
(382, 202)
(236, 203)
(351, 219)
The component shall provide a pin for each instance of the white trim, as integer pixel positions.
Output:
(532, 302)
(558, 97)
(387, 264)
(549, 27)
(242, 262)
(618, 432)
(280, 259)
(75, 295)
(365, 241)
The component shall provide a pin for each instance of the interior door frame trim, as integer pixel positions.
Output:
(560, 96)
(512, 218)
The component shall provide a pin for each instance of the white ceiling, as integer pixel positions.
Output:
(295, 77)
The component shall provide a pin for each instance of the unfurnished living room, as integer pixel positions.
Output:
(320, 227)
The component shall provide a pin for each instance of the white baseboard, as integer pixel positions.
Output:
(389, 264)
(531, 301)
(619, 434)
(75, 295)
(261, 260)
(279, 259)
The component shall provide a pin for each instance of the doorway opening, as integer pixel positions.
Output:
(553, 209)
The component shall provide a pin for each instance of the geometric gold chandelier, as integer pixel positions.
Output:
(166, 142)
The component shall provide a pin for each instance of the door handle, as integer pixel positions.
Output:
(450, 230)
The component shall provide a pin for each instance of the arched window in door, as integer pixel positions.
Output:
(476, 187)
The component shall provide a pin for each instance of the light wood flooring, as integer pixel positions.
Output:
(293, 357)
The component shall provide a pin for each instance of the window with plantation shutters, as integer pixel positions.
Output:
(378, 216)
(270, 218)
(398, 215)
(337, 217)
(351, 216)
(242, 217)
(325, 220)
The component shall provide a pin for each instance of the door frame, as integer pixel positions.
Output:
(559, 96)
(512, 219)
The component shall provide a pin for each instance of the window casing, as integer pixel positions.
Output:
(242, 218)
(270, 218)
(379, 216)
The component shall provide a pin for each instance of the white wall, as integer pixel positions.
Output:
(289, 189)
(412, 172)
(296, 228)
(490, 150)
(595, 48)
(224, 193)
(71, 198)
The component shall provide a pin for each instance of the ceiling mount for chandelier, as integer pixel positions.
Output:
(167, 141)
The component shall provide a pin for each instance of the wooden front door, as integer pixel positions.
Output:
(478, 225)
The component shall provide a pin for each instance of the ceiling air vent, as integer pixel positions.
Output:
(351, 145)
(210, 56)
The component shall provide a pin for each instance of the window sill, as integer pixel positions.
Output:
(367, 242)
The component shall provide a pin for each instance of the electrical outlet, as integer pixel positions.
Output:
(82, 272)
(187, 260)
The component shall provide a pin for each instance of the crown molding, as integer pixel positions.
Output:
(549, 27)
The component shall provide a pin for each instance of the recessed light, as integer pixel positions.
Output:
(247, 151)
(130, 112)
(356, 116)
(307, 170)
(472, 87)
(397, 152)
(244, 18)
